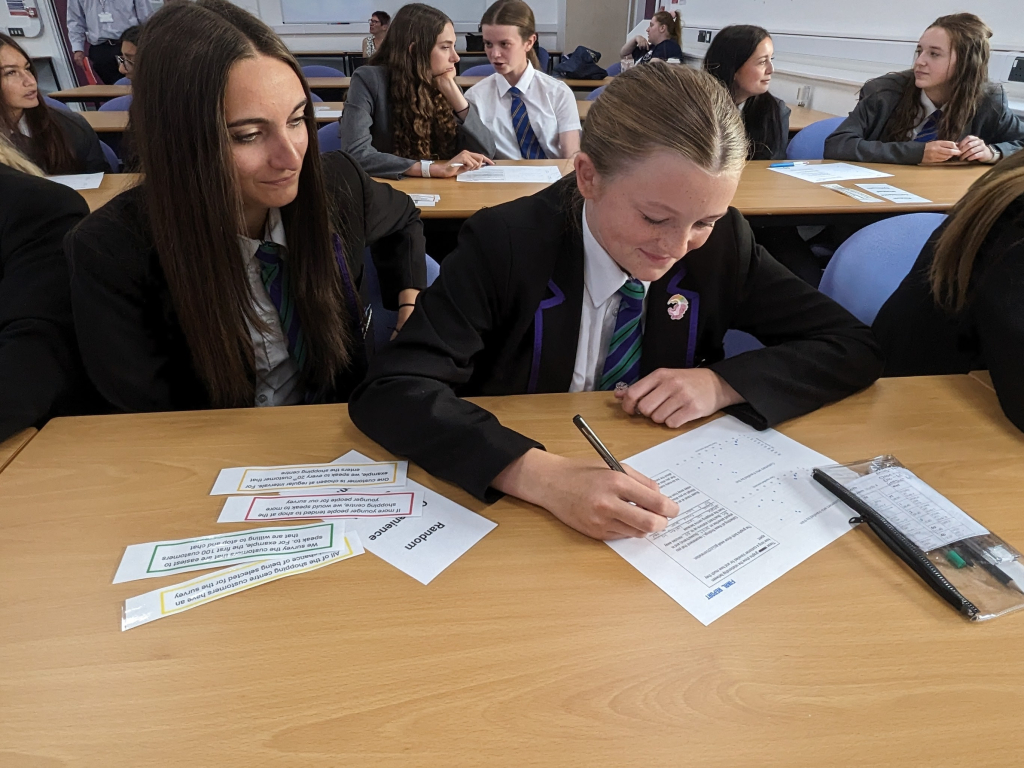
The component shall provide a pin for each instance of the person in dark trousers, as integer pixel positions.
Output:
(959, 308)
(100, 23)
(625, 277)
(40, 374)
(230, 277)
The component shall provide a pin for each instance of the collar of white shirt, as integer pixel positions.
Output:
(601, 274)
(928, 105)
(523, 85)
(272, 232)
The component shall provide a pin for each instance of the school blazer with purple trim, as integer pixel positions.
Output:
(503, 318)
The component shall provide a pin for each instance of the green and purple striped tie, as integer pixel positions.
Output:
(274, 274)
(623, 360)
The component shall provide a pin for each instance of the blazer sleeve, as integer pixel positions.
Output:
(784, 115)
(475, 136)
(815, 351)
(364, 106)
(850, 141)
(1007, 131)
(38, 363)
(408, 401)
(392, 228)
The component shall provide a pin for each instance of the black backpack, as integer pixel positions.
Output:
(581, 64)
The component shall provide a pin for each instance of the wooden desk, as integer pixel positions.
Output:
(12, 446)
(984, 378)
(112, 185)
(537, 639)
(117, 122)
(801, 117)
(322, 83)
(91, 93)
(460, 200)
(342, 83)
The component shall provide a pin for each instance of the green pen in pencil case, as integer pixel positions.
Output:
(967, 565)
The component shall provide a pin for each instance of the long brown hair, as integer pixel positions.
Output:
(673, 22)
(969, 224)
(194, 208)
(515, 13)
(48, 147)
(422, 119)
(968, 37)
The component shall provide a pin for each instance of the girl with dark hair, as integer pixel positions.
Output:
(231, 276)
(740, 56)
(379, 22)
(943, 109)
(404, 114)
(531, 115)
(959, 307)
(664, 40)
(56, 140)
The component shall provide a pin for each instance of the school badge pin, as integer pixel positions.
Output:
(677, 306)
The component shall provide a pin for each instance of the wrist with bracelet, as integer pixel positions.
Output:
(425, 168)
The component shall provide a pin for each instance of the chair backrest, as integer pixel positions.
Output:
(385, 320)
(117, 104)
(871, 264)
(316, 98)
(737, 342)
(54, 104)
(809, 143)
(329, 138)
(544, 58)
(614, 69)
(123, 81)
(319, 70)
(596, 92)
(480, 70)
(111, 156)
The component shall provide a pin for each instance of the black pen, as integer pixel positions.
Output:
(595, 441)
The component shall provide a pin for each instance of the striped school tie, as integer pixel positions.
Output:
(623, 360)
(274, 274)
(930, 128)
(529, 147)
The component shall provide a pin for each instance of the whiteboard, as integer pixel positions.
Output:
(358, 11)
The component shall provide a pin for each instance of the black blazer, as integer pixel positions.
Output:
(85, 144)
(131, 341)
(503, 318)
(920, 339)
(38, 358)
(859, 136)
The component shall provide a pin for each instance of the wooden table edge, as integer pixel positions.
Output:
(15, 444)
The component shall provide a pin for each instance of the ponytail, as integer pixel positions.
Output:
(673, 23)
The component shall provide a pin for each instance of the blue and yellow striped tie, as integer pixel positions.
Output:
(930, 128)
(529, 147)
(274, 274)
(623, 360)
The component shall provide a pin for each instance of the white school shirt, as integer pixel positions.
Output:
(602, 278)
(277, 375)
(549, 102)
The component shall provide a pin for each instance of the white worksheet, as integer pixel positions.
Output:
(830, 172)
(326, 111)
(856, 194)
(748, 512)
(295, 477)
(159, 558)
(893, 194)
(79, 180)
(248, 509)
(424, 200)
(422, 546)
(533, 174)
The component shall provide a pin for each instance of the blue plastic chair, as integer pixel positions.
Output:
(385, 320)
(480, 70)
(315, 98)
(737, 342)
(871, 264)
(809, 144)
(123, 81)
(328, 137)
(596, 92)
(614, 69)
(544, 58)
(54, 104)
(319, 70)
(118, 104)
(112, 159)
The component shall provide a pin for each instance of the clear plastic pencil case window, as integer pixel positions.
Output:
(970, 567)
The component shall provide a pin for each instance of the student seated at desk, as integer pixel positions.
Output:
(740, 56)
(39, 366)
(56, 140)
(943, 109)
(404, 114)
(129, 47)
(585, 285)
(230, 277)
(959, 308)
(531, 115)
(664, 40)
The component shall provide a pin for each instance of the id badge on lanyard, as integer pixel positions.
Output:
(106, 17)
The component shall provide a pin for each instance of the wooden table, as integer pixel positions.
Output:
(117, 122)
(539, 647)
(984, 378)
(13, 445)
(342, 83)
(801, 117)
(112, 185)
(91, 93)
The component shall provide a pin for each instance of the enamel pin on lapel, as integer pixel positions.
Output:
(677, 306)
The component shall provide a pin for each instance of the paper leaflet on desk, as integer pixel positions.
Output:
(829, 172)
(228, 581)
(79, 180)
(748, 512)
(523, 174)
(311, 477)
(407, 502)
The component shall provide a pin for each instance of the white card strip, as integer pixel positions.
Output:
(296, 477)
(893, 194)
(228, 581)
(522, 174)
(159, 558)
(856, 194)
(79, 180)
(259, 509)
(425, 201)
(422, 546)
(819, 173)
